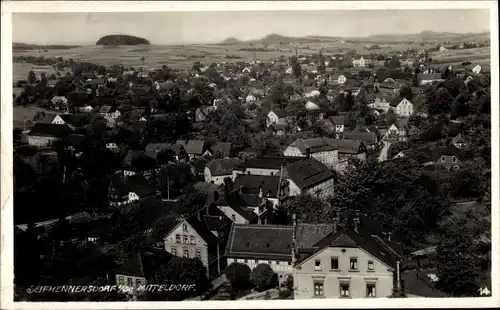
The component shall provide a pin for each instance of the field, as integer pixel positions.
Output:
(19, 114)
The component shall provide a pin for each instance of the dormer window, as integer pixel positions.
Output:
(443, 158)
(454, 159)
(184, 227)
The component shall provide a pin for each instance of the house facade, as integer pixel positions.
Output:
(361, 62)
(324, 150)
(276, 117)
(309, 176)
(403, 108)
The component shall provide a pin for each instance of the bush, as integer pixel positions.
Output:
(238, 275)
(262, 277)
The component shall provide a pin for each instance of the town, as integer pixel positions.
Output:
(314, 174)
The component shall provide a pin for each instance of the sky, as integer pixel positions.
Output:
(212, 27)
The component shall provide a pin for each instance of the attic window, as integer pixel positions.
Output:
(248, 244)
(268, 245)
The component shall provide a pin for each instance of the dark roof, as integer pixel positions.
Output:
(107, 109)
(237, 202)
(395, 101)
(315, 145)
(193, 146)
(348, 146)
(50, 130)
(308, 173)
(307, 235)
(131, 155)
(224, 148)
(144, 264)
(269, 162)
(339, 120)
(222, 166)
(138, 184)
(251, 184)
(431, 154)
(214, 222)
(153, 149)
(265, 242)
(368, 137)
(202, 229)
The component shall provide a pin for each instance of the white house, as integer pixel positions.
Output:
(402, 107)
(250, 98)
(360, 62)
(276, 117)
(476, 69)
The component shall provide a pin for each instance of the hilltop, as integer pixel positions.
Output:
(16, 46)
(122, 39)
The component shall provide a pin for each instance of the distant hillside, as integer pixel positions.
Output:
(121, 39)
(29, 47)
(383, 38)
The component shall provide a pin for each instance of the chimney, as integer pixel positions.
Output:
(308, 152)
(389, 236)
(294, 237)
(260, 191)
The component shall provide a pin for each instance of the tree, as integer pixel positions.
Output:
(262, 277)
(308, 208)
(31, 77)
(143, 59)
(442, 103)
(238, 274)
(406, 92)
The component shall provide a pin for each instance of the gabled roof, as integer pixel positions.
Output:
(251, 183)
(280, 114)
(193, 146)
(50, 130)
(348, 146)
(307, 173)
(429, 76)
(432, 154)
(107, 109)
(307, 235)
(368, 137)
(367, 237)
(236, 201)
(202, 229)
(268, 162)
(315, 145)
(264, 242)
(395, 101)
(143, 264)
(222, 166)
(339, 120)
(153, 149)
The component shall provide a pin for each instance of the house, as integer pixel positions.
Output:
(192, 238)
(218, 169)
(261, 244)
(109, 111)
(360, 62)
(264, 165)
(323, 149)
(351, 149)
(133, 188)
(402, 107)
(311, 106)
(43, 134)
(459, 142)
(194, 148)
(338, 79)
(428, 78)
(309, 176)
(235, 207)
(86, 109)
(262, 185)
(140, 269)
(450, 158)
(202, 113)
(369, 138)
(352, 259)
(380, 103)
(277, 117)
(339, 122)
(277, 130)
(395, 132)
(154, 149)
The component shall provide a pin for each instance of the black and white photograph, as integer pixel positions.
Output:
(282, 154)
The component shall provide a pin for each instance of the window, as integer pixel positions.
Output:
(198, 254)
(177, 238)
(129, 281)
(443, 158)
(269, 262)
(317, 264)
(354, 263)
(289, 263)
(454, 159)
(344, 290)
(138, 282)
(370, 290)
(334, 263)
(246, 261)
(174, 251)
(256, 261)
(233, 217)
(121, 280)
(277, 262)
(186, 253)
(272, 173)
(185, 239)
(192, 240)
(370, 265)
(184, 227)
(318, 288)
